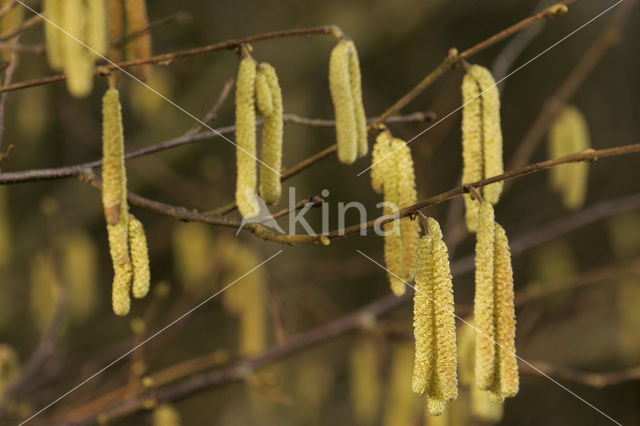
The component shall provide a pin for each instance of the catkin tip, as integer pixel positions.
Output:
(139, 258)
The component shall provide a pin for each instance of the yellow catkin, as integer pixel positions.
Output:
(264, 101)
(401, 405)
(423, 318)
(505, 319)
(569, 134)
(53, 10)
(381, 149)
(407, 195)
(246, 139)
(78, 60)
(471, 145)
(166, 415)
(114, 186)
(139, 258)
(139, 47)
(9, 22)
(193, 256)
(364, 383)
(97, 33)
(272, 136)
(340, 87)
(393, 247)
(9, 367)
(79, 273)
(484, 297)
(355, 79)
(116, 29)
(491, 132)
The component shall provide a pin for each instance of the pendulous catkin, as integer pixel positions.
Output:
(53, 10)
(272, 134)
(264, 101)
(343, 103)
(396, 178)
(77, 59)
(136, 21)
(114, 199)
(246, 139)
(434, 323)
(483, 304)
(355, 80)
(96, 31)
(139, 258)
(569, 134)
(481, 138)
(115, 28)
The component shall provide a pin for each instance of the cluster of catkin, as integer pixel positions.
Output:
(496, 366)
(129, 33)
(434, 370)
(127, 241)
(392, 174)
(257, 89)
(569, 134)
(481, 138)
(346, 94)
(76, 35)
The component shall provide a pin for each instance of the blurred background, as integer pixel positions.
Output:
(580, 280)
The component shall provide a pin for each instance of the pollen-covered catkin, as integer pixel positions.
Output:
(97, 37)
(246, 140)
(491, 132)
(423, 318)
(471, 145)
(505, 319)
(381, 149)
(78, 60)
(264, 101)
(355, 80)
(53, 10)
(116, 29)
(114, 199)
(569, 134)
(272, 137)
(139, 258)
(341, 95)
(136, 20)
(407, 195)
(484, 297)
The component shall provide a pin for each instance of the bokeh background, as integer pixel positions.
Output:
(54, 242)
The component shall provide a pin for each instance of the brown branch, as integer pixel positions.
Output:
(168, 57)
(608, 38)
(212, 114)
(179, 17)
(587, 378)
(28, 48)
(266, 233)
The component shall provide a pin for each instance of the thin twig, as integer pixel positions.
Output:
(212, 114)
(27, 24)
(179, 17)
(596, 380)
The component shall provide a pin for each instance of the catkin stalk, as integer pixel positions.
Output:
(78, 60)
(139, 258)
(355, 80)
(114, 200)
(505, 317)
(471, 145)
(484, 297)
(343, 103)
(272, 136)
(364, 384)
(491, 132)
(140, 47)
(246, 181)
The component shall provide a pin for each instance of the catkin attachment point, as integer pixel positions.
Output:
(559, 9)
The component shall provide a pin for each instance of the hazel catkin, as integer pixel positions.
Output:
(483, 303)
(115, 29)
(136, 21)
(343, 103)
(264, 101)
(272, 137)
(471, 145)
(355, 80)
(246, 181)
(96, 31)
(139, 258)
(569, 134)
(53, 10)
(381, 149)
(78, 60)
